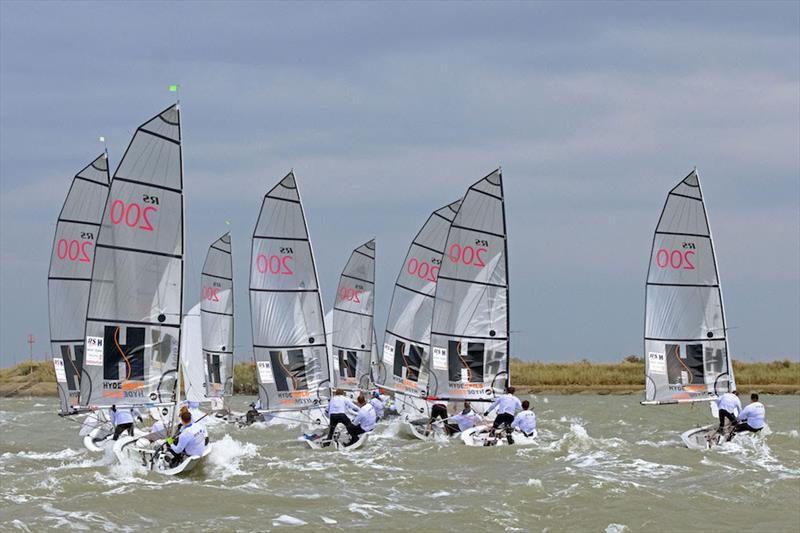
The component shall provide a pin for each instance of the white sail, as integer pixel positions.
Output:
(133, 324)
(469, 336)
(353, 318)
(71, 273)
(192, 360)
(685, 341)
(406, 348)
(217, 314)
(286, 307)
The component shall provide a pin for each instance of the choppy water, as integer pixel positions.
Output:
(604, 463)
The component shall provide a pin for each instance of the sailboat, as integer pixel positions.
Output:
(353, 317)
(70, 275)
(685, 338)
(216, 311)
(470, 327)
(406, 349)
(134, 317)
(289, 341)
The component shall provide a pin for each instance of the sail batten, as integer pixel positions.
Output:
(353, 319)
(69, 276)
(134, 316)
(686, 346)
(286, 311)
(216, 311)
(404, 364)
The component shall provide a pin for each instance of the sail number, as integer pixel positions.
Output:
(351, 295)
(73, 250)
(422, 269)
(469, 255)
(211, 293)
(275, 264)
(134, 215)
(675, 259)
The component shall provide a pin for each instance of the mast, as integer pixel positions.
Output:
(69, 277)
(685, 341)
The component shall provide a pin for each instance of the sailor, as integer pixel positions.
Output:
(377, 403)
(123, 420)
(190, 442)
(365, 420)
(337, 413)
(752, 418)
(507, 406)
(728, 406)
(525, 421)
(466, 419)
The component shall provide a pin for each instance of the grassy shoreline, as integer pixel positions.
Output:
(583, 377)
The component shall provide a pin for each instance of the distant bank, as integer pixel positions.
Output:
(627, 377)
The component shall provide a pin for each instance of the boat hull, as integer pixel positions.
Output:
(150, 456)
(481, 436)
(316, 440)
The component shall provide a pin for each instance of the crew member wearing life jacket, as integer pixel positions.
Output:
(728, 406)
(466, 419)
(753, 418)
(123, 420)
(377, 403)
(365, 420)
(525, 421)
(507, 406)
(337, 413)
(190, 443)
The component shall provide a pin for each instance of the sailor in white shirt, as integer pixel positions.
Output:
(337, 413)
(191, 441)
(123, 420)
(466, 419)
(752, 418)
(729, 406)
(507, 406)
(377, 403)
(525, 421)
(365, 420)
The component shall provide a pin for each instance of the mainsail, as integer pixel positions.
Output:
(469, 337)
(685, 340)
(286, 307)
(404, 366)
(71, 273)
(217, 314)
(133, 325)
(353, 317)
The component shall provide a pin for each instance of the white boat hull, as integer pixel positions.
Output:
(708, 437)
(100, 439)
(149, 456)
(422, 430)
(481, 436)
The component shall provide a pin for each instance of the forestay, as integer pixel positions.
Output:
(133, 324)
(285, 306)
(353, 319)
(469, 337)
(71, 273)
(217, 315)
(685, 343)
(404, 366)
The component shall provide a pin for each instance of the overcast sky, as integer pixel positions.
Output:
(387, 111)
